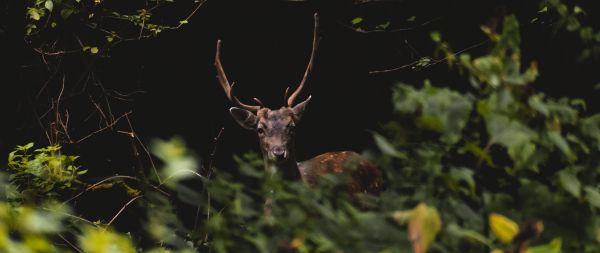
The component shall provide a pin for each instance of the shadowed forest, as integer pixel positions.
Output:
(479, 118)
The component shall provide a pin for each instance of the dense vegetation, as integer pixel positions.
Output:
(496, 167)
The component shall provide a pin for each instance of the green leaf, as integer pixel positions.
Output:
(553, 247)
(435, 36)
(592, 195)
(386, 147)
(516, 137)
(94, 50)
(590, 127)
(357, 20)
(66, 12)
(536, 102)
(562, 144)
(441, 109)
(383, 26)
(478, 152)
(457, 231)
(34, 14)
(569, 182)
(466, 175)
(49, 5)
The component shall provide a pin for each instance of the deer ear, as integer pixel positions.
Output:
(245, 118)
(299, 108)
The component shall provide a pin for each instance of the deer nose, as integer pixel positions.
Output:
(279, 153)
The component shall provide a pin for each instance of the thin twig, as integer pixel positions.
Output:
(98, 108)
(208, 174)
(104, 128)
(72, 216)
(121, 210)
(189, 16)
(69, 243)
(179, 172)
(359, 30)
(42, 52)
(428, 65)
(145, 149)
(213, 153)
(91, 187)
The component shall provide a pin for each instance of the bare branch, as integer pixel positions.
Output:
(101, 182)
(114, 122)
(428, 65)
(121, 210)
(133, 134)
(69, 243)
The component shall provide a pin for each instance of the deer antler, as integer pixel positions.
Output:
(309, 68)
(225, 83)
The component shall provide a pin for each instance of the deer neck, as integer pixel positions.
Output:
(289, 168)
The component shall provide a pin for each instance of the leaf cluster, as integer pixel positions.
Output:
(42, 172)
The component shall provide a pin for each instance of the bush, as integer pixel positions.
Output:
(496, 169)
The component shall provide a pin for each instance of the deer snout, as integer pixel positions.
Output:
(279, 153)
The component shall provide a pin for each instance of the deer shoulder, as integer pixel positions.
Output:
(364, 175)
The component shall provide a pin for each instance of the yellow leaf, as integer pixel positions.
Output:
(497, 251)
(94, 50)
(423, 226)
(402, 217)
(96, 240)
(504, 228)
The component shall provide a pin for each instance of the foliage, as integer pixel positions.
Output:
(572, 18)
(34, 226)
(518, 154)
(495, 169)
(42, 172)
(101, 18)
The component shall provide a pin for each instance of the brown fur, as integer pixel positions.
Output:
(366, 177)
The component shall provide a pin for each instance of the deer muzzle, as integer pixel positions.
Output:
(278, 154)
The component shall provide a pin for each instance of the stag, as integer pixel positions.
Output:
(276, 129)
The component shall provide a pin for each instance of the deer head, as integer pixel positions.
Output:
(275, 127)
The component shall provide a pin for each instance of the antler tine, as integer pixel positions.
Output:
(309, 68)
(225, 83)
(259, 102)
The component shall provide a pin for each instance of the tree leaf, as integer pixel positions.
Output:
(553, 247)
(357, 20)
(455, 230)
(34, 14)
(592, 195)
(386, 147)
(424, 225)
(569, 182)
(561, 144)
(504, 228)
(49, 5)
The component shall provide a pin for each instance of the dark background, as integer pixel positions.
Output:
(266, 46)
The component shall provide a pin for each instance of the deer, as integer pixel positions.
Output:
(276, 129)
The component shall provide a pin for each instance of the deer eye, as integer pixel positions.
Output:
(260, 130)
